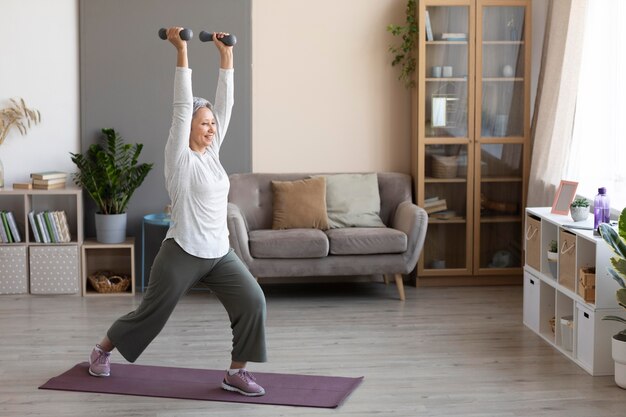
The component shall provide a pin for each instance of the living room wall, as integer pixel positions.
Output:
(40, 65)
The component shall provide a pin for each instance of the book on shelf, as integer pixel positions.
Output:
(454, 36)
(435, 206)
(48, 175)
(5, 226)
(22, 186)
(52, 227)
(3, 234)
(33, 226)
(45, 237)
(15, 232)
(429, 29)
(64, 229)
(445, 215)
(50, 181)
(49, 186)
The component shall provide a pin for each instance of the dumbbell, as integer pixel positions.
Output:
(184, 34)
(228, 40)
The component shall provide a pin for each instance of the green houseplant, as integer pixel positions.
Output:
(617, 242)
(110, 173)
(403, 54)
(579, 209)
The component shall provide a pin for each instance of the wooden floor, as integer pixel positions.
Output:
(443, 352)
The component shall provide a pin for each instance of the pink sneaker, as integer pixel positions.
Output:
(242, 382)
(99, 362)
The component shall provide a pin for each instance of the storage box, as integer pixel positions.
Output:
(54, 270)
(533, 242)
(587, 284)
(567, 259)
(13, 271)
(567, 332)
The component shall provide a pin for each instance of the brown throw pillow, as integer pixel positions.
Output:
(300, 204)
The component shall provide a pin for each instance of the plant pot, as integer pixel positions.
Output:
(553, 256)
(619, 356)
(579, 214)
(110, 228)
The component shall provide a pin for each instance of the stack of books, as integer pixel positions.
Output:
(454, 36)
(48, 180)
(50, 226)
(435, 205)
(9, 232)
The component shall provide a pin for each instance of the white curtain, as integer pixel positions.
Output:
(556, 99)
(598, 151)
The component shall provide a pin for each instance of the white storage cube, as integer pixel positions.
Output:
(54, 270)
(13, 271)
(531, 301)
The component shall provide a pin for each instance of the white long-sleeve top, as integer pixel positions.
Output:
(198, 184)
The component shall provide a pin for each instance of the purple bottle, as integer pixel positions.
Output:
(601, 208)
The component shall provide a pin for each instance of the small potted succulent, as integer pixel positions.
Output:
(579, 209)
(553, 256)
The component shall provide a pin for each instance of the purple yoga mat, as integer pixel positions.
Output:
(205, 384)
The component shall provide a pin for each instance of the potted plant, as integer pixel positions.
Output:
(579, 209)
(617, 242)
(553, 256)
(110, 174)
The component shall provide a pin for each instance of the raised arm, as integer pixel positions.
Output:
(178, 139)
(224, 96)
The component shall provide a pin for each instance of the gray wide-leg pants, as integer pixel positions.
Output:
(173, 273)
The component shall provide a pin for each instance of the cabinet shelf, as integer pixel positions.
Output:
(446, 79)
(501, 179)
(445, 43)
(503, 42)
(45, 268)
(482, 117)
(500, 219)
(559, 294)
(503, 79)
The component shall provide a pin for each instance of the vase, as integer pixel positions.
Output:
(110, 228)
(579, 214)
(619, 356)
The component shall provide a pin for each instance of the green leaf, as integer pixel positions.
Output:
(614, 318)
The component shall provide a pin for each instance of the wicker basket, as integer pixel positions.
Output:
(445, 166)
(552, 323)
(107, 282)
(587, 284)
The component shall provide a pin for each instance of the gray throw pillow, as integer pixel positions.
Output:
(353, 200)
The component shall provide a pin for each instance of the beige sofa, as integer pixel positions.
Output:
(348, 251)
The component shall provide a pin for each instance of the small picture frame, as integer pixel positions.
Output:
(564, 196)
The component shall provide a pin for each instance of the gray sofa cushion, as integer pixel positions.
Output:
(366, 240)
(290, 243)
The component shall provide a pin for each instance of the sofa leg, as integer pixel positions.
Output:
(386, 279)
(400, 285)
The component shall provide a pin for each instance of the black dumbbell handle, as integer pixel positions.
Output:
(228, 40)
(185, 34)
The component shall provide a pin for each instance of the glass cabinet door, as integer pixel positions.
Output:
(445, 129)
(501, 131)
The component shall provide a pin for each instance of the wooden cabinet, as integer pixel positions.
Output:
(41, 268)
(471, 130)
(561, 304)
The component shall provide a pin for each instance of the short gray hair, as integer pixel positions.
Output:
(199, 102)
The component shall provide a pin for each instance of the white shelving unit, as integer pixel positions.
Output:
(548, 296)
(41, 268)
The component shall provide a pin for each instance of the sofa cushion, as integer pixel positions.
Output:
(300, 204)
(366, 241)
(353, 200)
(292, 243)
